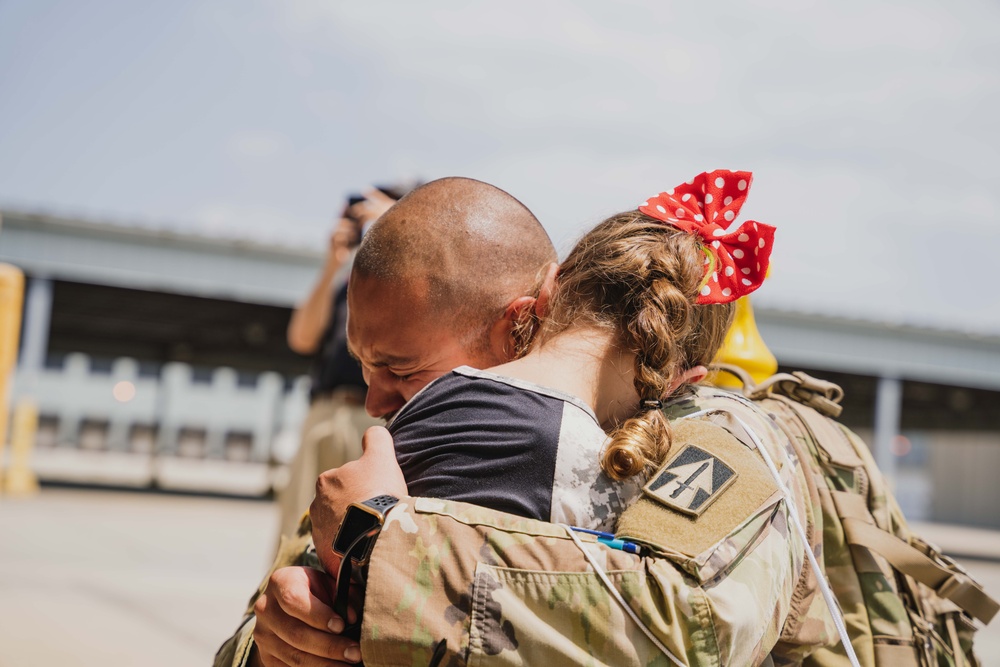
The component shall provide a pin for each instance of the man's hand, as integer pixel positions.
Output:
(374, 474)
(296, 624)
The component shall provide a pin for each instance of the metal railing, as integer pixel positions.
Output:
(121, 414)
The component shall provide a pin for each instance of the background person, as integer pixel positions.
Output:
(331, 432)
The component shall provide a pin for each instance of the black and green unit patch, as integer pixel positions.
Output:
(690, 481)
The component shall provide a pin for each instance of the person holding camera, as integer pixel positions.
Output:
(332, 430)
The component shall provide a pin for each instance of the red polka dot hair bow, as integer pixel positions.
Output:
(707, 205)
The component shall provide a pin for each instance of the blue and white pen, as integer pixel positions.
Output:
(611, 541)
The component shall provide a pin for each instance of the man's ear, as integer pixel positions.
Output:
(548, 288)
(502, 343)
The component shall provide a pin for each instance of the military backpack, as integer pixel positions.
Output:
(904, 603)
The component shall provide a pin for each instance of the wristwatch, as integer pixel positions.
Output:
(358, 532)
(354, 543)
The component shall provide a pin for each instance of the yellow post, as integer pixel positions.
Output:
(745, 348)
(11, 300)
(21, 479)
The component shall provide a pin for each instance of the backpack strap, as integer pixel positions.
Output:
(860, 530)
(947, 582)
(926, 565)
(829, 438)
(821, 395)
(930, 568)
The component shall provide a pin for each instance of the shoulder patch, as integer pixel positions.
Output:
(710, 484)
(690, 481)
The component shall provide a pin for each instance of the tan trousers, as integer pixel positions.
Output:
(331, 436)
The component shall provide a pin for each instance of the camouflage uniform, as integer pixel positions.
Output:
(294, 549)
(504, 590)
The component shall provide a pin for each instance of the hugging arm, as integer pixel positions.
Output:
(485, 585)
(490, 584)
(290, 619)
(507, 590)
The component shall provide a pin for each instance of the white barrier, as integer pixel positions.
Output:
(122, 401)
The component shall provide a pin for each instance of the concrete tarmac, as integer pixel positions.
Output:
(118, 579)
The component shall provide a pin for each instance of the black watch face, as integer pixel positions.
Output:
(357, 522)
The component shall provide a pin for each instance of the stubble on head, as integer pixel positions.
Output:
(473, 247)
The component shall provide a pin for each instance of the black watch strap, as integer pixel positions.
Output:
(382, 504)
(356, 553)
(360, 519)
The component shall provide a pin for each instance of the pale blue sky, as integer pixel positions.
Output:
(870, 126)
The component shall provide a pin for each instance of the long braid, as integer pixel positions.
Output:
(640, 278)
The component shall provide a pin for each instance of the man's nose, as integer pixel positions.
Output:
(382, 399)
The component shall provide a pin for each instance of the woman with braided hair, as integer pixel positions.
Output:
(703, 566)
(569, 431)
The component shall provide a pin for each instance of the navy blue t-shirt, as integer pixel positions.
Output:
(510, 445)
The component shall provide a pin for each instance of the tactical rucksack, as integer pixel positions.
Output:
(904, 603)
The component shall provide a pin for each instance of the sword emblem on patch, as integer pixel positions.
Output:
(690, 481)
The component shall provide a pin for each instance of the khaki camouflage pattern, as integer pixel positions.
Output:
(866, 591)
(297, 549)
(891, 618)
(808, 624)
(504, 590)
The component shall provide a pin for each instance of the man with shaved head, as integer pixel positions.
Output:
(439, 282)
(443, 279)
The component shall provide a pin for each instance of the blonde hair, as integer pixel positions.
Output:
(640, 278)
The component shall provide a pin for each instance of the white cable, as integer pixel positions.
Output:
(831, 601)
(618, 597)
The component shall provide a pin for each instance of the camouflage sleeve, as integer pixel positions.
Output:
(295, 550)
(503, 590)
(235, 652)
